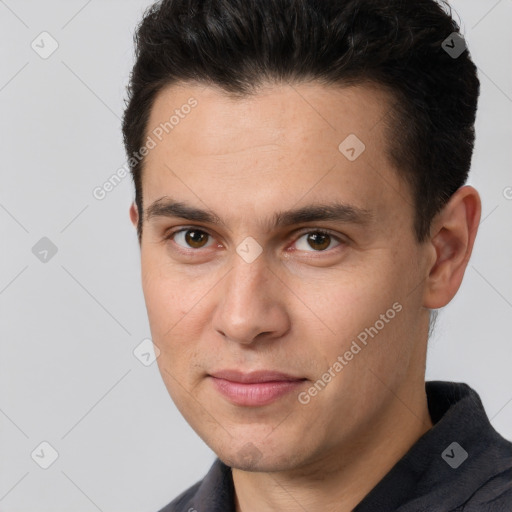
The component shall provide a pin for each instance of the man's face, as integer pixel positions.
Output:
(250, 292)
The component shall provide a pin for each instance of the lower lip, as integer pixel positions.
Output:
(256, 394)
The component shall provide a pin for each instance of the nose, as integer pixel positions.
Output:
(252, 303)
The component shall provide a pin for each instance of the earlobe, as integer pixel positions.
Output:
(453, 236)
(134, 214)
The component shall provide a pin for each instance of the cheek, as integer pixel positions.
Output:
(162, 304)
(174, 314)
(368, 305)
(168, 293)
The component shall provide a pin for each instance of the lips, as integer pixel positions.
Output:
(254, 377)
(256, 388)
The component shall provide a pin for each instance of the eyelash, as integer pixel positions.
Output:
(179, 248)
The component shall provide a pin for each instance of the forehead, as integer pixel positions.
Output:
(283, 143)
(281, 112)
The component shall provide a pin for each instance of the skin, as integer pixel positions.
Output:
(299, 304)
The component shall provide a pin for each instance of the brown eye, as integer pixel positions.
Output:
(191, 238)
(196, 239)
(317, 240)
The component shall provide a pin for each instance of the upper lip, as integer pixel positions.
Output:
(254, 377)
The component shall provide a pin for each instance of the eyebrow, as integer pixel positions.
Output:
(334, 211)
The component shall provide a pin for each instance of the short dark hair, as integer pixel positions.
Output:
(242, 45)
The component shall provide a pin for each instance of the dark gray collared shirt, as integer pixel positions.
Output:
(460, 465)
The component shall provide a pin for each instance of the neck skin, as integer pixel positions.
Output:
(341, 483)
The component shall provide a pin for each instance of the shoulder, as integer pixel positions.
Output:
(214, 492)
(183, 503)
(493, 496)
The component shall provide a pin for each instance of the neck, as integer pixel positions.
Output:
(339, 480)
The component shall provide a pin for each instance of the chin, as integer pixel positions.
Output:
(250, 457)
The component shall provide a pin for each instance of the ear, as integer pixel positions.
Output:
(452, 237)
(134, 214)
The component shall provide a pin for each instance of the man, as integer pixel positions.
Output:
(299, 169)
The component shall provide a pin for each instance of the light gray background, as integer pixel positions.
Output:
(69, 326)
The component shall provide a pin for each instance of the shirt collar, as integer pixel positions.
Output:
(426, 475)
(426, 469)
